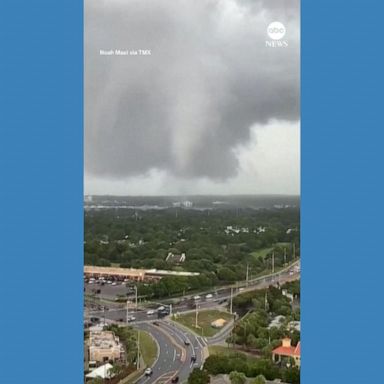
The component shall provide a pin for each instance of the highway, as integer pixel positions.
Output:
(221, 298)
(174, 356)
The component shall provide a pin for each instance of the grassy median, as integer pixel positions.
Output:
(204, 321)
(148, 348)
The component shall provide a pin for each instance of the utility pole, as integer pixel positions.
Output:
(170, 310)
(127, 311)
(265, 301)
(196, 315)
(294, 251)
(136, 296)
(231, 301)
(273, 262)
(138, 350)
(247, 275)
(285, 256)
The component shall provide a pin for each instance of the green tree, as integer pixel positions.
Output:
(237, 377)
(198, 376)
(260, 379)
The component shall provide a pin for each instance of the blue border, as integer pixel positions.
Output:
(41, 167)
(342, 192)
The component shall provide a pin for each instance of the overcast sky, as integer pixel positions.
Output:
(212, 110)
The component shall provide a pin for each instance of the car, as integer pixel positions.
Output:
(148, 372)
(150, 312)
(156, 323)
(193, 358)
(161, 308)
(131, 318)
(209, 296)
(197, 297)
(175, 379)
(114, 283)
(186, 342)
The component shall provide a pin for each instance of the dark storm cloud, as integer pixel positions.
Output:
(184, 108)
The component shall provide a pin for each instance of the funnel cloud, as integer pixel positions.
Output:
(187, 114)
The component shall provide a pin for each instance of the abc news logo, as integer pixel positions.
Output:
(276, 31)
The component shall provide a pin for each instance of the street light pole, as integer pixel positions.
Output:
(138, 350)
(231, 301)
(136, 296)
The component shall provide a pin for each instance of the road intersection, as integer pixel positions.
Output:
(180, 350)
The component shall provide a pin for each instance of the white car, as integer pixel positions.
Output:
(131, 318)
(209, 296)
(197, 297)
(114, 283)
(150, 312)
(148, 372)
(161, 308)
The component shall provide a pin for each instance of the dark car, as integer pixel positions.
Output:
(186, 342)
(175, 379)
(156, 323)
(193, 358)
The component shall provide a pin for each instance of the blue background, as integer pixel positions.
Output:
(41, 170)
(342, 192)
(41, 191)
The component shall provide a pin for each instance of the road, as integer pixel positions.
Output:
(111, 292)
(174, 357)
(220, 299)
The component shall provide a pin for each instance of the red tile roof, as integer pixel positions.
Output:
(297, 349)
(287, 351)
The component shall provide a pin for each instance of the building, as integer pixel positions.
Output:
(102, 372)
(286, 352)
(132, 273)
(277, 322)
(103, 347)
(175, 259)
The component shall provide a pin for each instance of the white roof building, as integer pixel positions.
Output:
(103, 372)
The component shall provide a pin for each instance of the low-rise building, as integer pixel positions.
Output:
(175, 259)
(104, 347)
(286, 352)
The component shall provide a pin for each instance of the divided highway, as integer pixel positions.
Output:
(180, 350)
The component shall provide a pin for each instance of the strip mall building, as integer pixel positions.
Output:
(132, 273)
